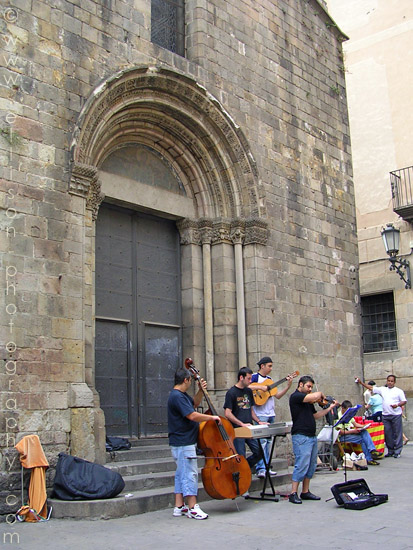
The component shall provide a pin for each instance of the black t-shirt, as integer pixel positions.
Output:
(240, 403)
(181, 430)
(302, 415)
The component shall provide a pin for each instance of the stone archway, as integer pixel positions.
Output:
(177, 118)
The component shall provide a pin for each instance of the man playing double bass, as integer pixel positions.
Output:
(183, 426)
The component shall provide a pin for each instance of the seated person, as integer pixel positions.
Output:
(374, 406)
(352, 432)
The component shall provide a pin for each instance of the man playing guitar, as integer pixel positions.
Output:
(266, 411)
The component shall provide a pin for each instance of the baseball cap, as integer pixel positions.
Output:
(264, 360)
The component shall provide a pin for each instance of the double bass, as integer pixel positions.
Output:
(226, 473)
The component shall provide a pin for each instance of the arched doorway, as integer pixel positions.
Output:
(218, 204)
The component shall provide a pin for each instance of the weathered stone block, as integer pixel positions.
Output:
(82, 432)
(80, 395)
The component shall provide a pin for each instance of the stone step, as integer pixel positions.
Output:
(147, 441)
(162, 478)
(140, 502)
(141, 482)
(166, 464)
(131, 468)
(140, 453)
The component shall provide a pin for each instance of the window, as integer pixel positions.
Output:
(168, 24)
(379, 323)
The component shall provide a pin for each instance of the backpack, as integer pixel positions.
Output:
(78, 479)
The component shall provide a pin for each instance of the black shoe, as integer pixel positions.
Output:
(373, 463)
(396, 455)
(309, 496)
(376, 455)
(294, 498)
(389, 455)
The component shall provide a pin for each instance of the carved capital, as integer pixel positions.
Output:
(94, 198)
(81, 178)
(221, 232)
(238, 231)
(205, 230)
(189, 231)
(256, 231)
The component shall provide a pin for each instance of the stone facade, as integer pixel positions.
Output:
(254, 123)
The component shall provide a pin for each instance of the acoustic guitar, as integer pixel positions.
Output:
(262, 396)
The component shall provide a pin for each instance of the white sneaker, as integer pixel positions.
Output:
(272, 473)
(180, 511)
(261, 473)
(196, 513)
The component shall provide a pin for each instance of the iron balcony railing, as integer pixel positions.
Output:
(401, 182)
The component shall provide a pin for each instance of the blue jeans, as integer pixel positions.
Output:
(364, 439)
(239, 444)
(186, 475)
(305, 451)
(265, 444)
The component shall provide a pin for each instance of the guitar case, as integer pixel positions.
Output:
(356, 495)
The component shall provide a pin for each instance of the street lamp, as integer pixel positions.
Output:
(391, 240)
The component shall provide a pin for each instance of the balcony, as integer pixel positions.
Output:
(402, 192)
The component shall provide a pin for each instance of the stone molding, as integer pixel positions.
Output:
(94, 198)
(256, 231)
(81, 177)
(84, 183)
(235, 231)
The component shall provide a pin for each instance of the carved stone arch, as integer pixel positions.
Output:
(178, 118)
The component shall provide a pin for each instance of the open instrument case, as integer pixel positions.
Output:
(356, 495)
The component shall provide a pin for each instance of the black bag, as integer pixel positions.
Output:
(117, 443)
(356, 495)
(78, 479)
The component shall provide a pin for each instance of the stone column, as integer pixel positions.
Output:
(87, 418)
(237, 237)
(224, 305)
(193, 332)
(255, 266)
(206, 239)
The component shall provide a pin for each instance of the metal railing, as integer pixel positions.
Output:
(402, 191)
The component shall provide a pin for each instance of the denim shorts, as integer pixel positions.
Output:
(186, 475)
(305, 451)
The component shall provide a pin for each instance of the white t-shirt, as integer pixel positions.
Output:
(268, 408)
(391, 396)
